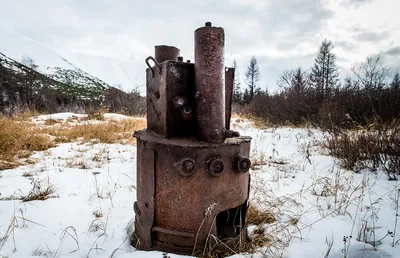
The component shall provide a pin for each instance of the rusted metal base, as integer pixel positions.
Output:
(189, 193)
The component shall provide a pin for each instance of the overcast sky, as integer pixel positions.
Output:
(282, 34)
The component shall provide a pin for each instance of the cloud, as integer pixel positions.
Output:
(393, 51)
(346, 45)
(370, 36)
(355, 3)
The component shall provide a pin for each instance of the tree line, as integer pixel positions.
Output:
(318, 95)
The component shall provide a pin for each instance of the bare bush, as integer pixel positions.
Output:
(375, 147)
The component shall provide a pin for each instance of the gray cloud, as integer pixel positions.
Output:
(370, 36)
(391, 59)
(393, 51)
(345, 45)
(355, 3)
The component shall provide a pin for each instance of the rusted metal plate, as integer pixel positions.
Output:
(145, 191)
(210, 82)
(170, 100)
(197, 198)
(229, 84)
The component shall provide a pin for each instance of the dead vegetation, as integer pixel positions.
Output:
(106, 132)
(18, 140)
(258, 217)
(373, 147)
(19, 136)
(39, 192)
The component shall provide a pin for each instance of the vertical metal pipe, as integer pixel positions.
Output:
(164, 53)
(210, 82)
(229, 84)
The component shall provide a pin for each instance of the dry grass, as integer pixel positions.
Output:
(246, 244)
(105, 132)
(23, 115)
(258, 122)
(19, 138)
(257, 217)
(39, 194)
(373, 147)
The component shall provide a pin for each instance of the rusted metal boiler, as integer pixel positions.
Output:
(192, 170)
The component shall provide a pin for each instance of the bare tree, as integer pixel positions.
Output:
(285, 79)
(29, 62)
(295, 81)
(371, 74)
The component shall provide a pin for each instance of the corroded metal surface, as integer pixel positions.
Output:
(170, 99)
(192, 171)
(210, 82)
(192, 188)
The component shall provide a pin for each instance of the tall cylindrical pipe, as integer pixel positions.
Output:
(210, 82)
(164, 53)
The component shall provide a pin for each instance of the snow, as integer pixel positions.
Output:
(114, 71)
(299, 180)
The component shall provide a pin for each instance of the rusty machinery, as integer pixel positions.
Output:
(192, 170)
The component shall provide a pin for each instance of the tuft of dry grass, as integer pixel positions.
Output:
(257, 159)
(39, 194)
(105, 132)
(18, 140)
(258, 217)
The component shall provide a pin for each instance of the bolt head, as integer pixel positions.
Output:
(216, 166)
(186, 167)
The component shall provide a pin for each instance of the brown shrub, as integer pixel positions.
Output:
(375, 147)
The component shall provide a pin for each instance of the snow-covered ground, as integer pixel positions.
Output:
(315, 202)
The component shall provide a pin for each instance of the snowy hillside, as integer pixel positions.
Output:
(93, 71)
(316, 204)
(126, 73)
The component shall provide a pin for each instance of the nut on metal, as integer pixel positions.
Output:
(230, 133)
(215, 166)
(186, 166)
(242, 164)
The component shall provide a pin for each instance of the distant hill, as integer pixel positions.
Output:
(32, 74)
(121, 71)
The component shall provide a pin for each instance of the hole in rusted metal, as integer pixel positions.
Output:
(230, 222)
